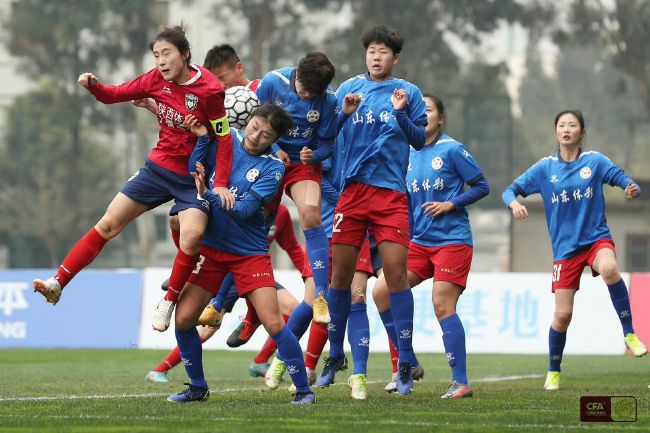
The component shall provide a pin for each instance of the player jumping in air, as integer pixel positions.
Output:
(571, 185)
(179, 88)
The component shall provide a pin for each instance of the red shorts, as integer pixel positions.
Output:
(364, 208)
(249, 272)
(448, 263)
(567, 272)
(294, 173)
(364, 262)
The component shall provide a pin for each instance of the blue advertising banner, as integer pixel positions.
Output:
(98, 309)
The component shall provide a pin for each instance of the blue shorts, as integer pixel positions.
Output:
(153, 185)
(375, 256)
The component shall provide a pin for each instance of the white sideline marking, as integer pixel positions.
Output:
(505, 378)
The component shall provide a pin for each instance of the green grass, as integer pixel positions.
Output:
(240, 403)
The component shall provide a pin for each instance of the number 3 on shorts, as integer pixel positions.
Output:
(556, 272)
(338, 217)
(199, 263)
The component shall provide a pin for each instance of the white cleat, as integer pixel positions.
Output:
(392, 385)
(162, 315)
(49, 288)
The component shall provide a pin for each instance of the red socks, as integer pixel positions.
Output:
(183, 267)
(394, 355)
(80, 256)
(251, 314)
(315, 345)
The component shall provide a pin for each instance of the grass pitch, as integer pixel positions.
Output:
(104, 391)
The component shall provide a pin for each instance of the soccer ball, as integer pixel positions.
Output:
(240, 103)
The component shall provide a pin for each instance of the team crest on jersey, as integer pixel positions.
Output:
(252, 175)
(585, 173)
(278, 176)
(554, 179)
(313, 115)
(436, 163)
(191, 101)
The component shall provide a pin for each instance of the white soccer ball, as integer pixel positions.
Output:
(240, 103)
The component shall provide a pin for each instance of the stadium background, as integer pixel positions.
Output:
(504, 69)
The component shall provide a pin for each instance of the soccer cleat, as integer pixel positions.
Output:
(258, 369)
(165, 285)
(211, 317)
(404, 378)
(321, 310)
(418, 372)
(358, 384)
(156, 377)
(332, 365)
(192, 393)
(49, 288)
(552, 381)
(274, 374)
(635, 345)
(242, 333)
(392, 385)
(311, 379)
(304, 398)
(162, 315)
(458, 390)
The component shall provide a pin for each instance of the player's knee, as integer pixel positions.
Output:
(174, 224)
(190, 242)
(395, 278)
(108, 226)
(310, 217)
(184, 321)
(443, 310)
(273, 326)
(563, 318)
(609, 271)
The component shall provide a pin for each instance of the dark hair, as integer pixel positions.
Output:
(392, 38)
(576, 113)
(175, 36)
(218, 55)
(315, 72)
(439, 105)
(277, 116)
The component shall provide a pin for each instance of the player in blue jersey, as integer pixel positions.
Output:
(441, 238)
(303, 92)
(571, 185)
(379, 116)
(236, 242)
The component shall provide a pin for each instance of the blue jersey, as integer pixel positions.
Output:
(314, 120)
(375, 145)
(439, 172)
(573, 198)
(254, 180)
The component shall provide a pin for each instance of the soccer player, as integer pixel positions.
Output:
(441, 238)
(571, 185)
(280, 230)
(223, 61)
(178, 87)
(236, 242)
(303, 92)
(388, 115)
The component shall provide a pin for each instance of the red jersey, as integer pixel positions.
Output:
(202, 95)
(282, 231)
(253, 85)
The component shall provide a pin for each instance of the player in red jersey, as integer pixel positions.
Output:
(179, 88)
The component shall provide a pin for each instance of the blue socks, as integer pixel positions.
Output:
(359, 337)
(556, 342)
(299, 321)
(318, 252)
(402, 307)
(218, 301)
(453, 338)
(291, 352)
(387, 320)
(339, 305)
(621, 302)
(191, 355)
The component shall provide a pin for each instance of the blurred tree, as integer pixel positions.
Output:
(57, 41)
